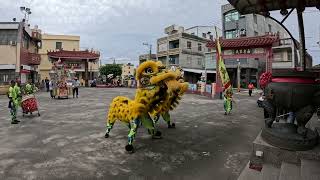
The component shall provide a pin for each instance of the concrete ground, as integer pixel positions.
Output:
(67, 140)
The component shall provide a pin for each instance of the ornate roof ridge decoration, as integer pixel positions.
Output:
(246, 42)
(84, 54)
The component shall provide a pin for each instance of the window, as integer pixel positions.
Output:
(255, 19)
(58, 45)
(199, 47)
(289, 55)
(256, 33)
(174, 60)
(231, 34)
(26, 42)
(189, 44)
(204, 35)
(6, 76)
(188, 60)
(270, 28)
(231, 16)
(199, 61)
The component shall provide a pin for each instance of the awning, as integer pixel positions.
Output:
(199, 71)
(8, 66)
(23, 71)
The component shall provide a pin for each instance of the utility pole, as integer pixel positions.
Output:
(150, 48)
(26, 12)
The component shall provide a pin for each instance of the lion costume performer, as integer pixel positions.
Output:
(227, 101)
(177, 88)
(153, 83)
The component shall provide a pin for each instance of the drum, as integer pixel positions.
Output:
(29, 104)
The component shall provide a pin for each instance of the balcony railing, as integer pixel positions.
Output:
(28, 58)
(174, 51)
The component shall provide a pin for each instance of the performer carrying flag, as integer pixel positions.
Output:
(226, 84)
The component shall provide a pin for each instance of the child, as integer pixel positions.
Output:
(228, 101)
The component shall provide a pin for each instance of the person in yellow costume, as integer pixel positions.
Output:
(149, 95)
(174, 94)
(13, 102)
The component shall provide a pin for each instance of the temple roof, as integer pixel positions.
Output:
(63, 54)
(246, 42)
(258, 6)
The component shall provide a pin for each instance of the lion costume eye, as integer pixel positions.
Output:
(149, 70)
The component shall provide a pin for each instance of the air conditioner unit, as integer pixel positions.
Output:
(13, 43)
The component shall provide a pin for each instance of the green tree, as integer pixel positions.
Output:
(114, 69)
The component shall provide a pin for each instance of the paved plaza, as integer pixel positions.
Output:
(67, 140)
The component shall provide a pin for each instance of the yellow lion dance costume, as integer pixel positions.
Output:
(154, 82)
(176, 90)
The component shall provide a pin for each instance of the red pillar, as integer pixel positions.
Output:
(269, 56)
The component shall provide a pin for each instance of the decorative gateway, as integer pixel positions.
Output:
(154, 94)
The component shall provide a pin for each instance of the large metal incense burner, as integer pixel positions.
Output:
(299, 94)
(293, 91)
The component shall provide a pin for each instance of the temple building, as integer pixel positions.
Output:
(67, 49)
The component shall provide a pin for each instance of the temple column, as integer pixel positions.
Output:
(86, 73)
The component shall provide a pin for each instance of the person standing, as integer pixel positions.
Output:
(13, 103)
(30, 88)
(47, 83)
(75, 86)
(51, 89)
(251, 87)
(227, 102)
(17, 90)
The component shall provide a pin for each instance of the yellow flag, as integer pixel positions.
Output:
(222, 68)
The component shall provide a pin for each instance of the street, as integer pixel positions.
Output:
(67, 140)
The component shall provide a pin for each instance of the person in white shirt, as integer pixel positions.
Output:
(51, 89)
(75, 87)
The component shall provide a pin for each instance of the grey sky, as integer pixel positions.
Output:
(119, 27)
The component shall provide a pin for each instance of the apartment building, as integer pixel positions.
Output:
(19, 58)
(187, 48)
(128, 72)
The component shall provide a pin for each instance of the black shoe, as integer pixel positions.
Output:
(157, 135)
(172, 126)
(14, 122)
(129, 148)
(106, 135)
(18, 121)
(225, 113)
